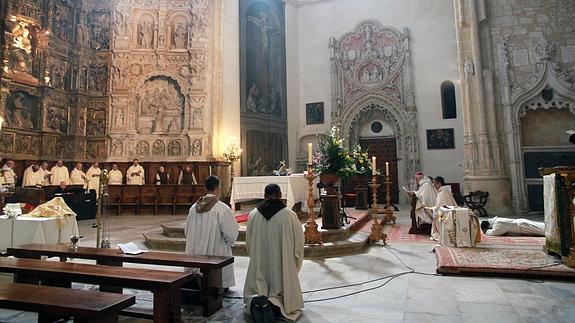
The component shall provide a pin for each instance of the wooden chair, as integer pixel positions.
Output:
(130, 197)
(148, 196)
(166, 197)
(115, 197)
(476, 201)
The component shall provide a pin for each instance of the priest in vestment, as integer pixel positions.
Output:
(162, 177)
(29, 178)
(517, 227)
(211, 229)
(444, 198)
(115, 176)
(46, 175)
(426, 197)
(10, 176)
(187, 177)
(78, 177)
(93, 176)
(60, 173)
(275, 243)
(135, 174)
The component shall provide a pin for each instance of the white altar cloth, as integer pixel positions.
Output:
(23, 230)
(294, 188)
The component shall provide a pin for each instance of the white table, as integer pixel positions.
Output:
(294, 188)
(23, 230)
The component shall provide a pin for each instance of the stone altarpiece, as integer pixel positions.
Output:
(372, 80)
(160, 80)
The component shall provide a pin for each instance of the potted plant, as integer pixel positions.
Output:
(333, 161)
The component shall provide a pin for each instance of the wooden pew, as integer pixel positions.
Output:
(210, 266)
(51, 303)
(165, 285)
(166, 197)
(130, 197)
(148, 196)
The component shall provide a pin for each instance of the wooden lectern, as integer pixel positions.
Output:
(425, 228)
(559, 201)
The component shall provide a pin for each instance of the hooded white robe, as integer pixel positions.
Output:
(93, 176)
(213, 233)
(522, 227)
(60, 174)
(276, 249)
(426, 197)
(444, 197)
(9, 175)
(78, 177)
(29, 178)
(115, 177)
(135, 175)
(45, 177)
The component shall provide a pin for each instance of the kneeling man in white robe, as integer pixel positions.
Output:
(444, 198)
(275, 244)
(211, 229)
(426, 197)
(517, 227)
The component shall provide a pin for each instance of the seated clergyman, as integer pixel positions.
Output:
(444, 198)
(519, 227)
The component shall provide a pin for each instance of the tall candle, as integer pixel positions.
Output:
(373, 167)
(387, 168)
(309, 153)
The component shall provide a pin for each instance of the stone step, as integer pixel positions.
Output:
(356, 242)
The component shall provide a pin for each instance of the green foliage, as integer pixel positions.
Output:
(333, 157)
(361, 158)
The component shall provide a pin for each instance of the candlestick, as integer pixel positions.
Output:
(373, 166)
(387, 168)
(311, 234)
(389, 217)
(376, 229)
(309, 153)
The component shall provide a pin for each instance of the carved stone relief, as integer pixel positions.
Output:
(175, 148)
(99, 30)
(117, 147)
(27, 145)
(143, 148)
(57, 119)
(21, 110)
(96, 150)
(158, 148)
(197, 147)
(95, 123)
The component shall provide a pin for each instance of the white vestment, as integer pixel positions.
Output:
(459, 227)
(9, 175)
(115, 177)
(60, 174)
(93, 176)
(276, 249)
(522, 227)
(426, 197)
(36, 178)
(213, 233)
(29, 178)
(135, 175)
(78, 177)
(45, 177)
(444, 197)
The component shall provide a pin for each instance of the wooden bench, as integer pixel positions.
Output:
(52, 303)
(165, 285)
(210, 266)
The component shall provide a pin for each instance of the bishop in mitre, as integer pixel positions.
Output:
(135, 174)
(60, 173)
(78, 177)
(426, 197)
(93, 176)
(115, 176)
(211, 229)
(275, 243)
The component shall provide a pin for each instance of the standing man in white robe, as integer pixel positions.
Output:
(115, 176)
(211, 229)
(60, 173)
(29, 178)
(517, 227)
(444, 197)
(78, 177)
(10, 176)
(275, 243)
(426, 197)
(135, 174)
(93, 176)
(46, 175)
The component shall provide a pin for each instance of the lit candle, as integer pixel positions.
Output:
(373, 167)
(387, 168)
(309, 153)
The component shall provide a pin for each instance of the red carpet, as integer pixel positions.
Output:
(400, 233)
(520, 262)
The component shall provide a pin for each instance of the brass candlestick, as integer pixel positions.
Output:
(232, 154)
(389, 217)
(376, 229)
(311, 234)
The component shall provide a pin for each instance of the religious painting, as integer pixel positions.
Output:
(21, 111)
(440, 139)
(264, 151)
(99, 30)
(314, 113)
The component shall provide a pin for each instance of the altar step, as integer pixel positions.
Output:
(335, 242)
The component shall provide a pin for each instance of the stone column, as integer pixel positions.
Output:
(484, 164)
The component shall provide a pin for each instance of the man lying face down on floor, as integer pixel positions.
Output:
(275, 243)
(517, 227)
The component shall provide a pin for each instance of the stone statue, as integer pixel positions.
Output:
(175, 148)
(18, 115)
(158, 122)
(145, 34)
(197, 117)
(179, 37)
(158, 148)
(22, 37)
(142, 148)
(197, 147)
(468, 68)
(119, 119)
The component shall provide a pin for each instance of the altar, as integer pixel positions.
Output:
(294, 188)
(23, 230)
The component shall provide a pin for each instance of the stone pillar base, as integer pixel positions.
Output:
(499, 188)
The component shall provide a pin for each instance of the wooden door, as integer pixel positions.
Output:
(385, 150)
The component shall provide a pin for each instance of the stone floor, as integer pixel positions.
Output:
(421, 297)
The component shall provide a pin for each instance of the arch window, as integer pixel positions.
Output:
(448, 105)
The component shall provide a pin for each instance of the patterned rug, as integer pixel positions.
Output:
(400, 233)
(520, 263)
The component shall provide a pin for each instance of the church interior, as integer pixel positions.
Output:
(427, 149)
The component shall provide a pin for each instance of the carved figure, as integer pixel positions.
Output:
(22, 37)
(145, 34)
(175, 148)
(158, 148)
(251, 102)
(120, 25)
(118, 148)
(468, 67)
(119, 119)
(197, 117)
(179, 37)
(197, 147)
(143, 148)
(18, 114)
(158, 122)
